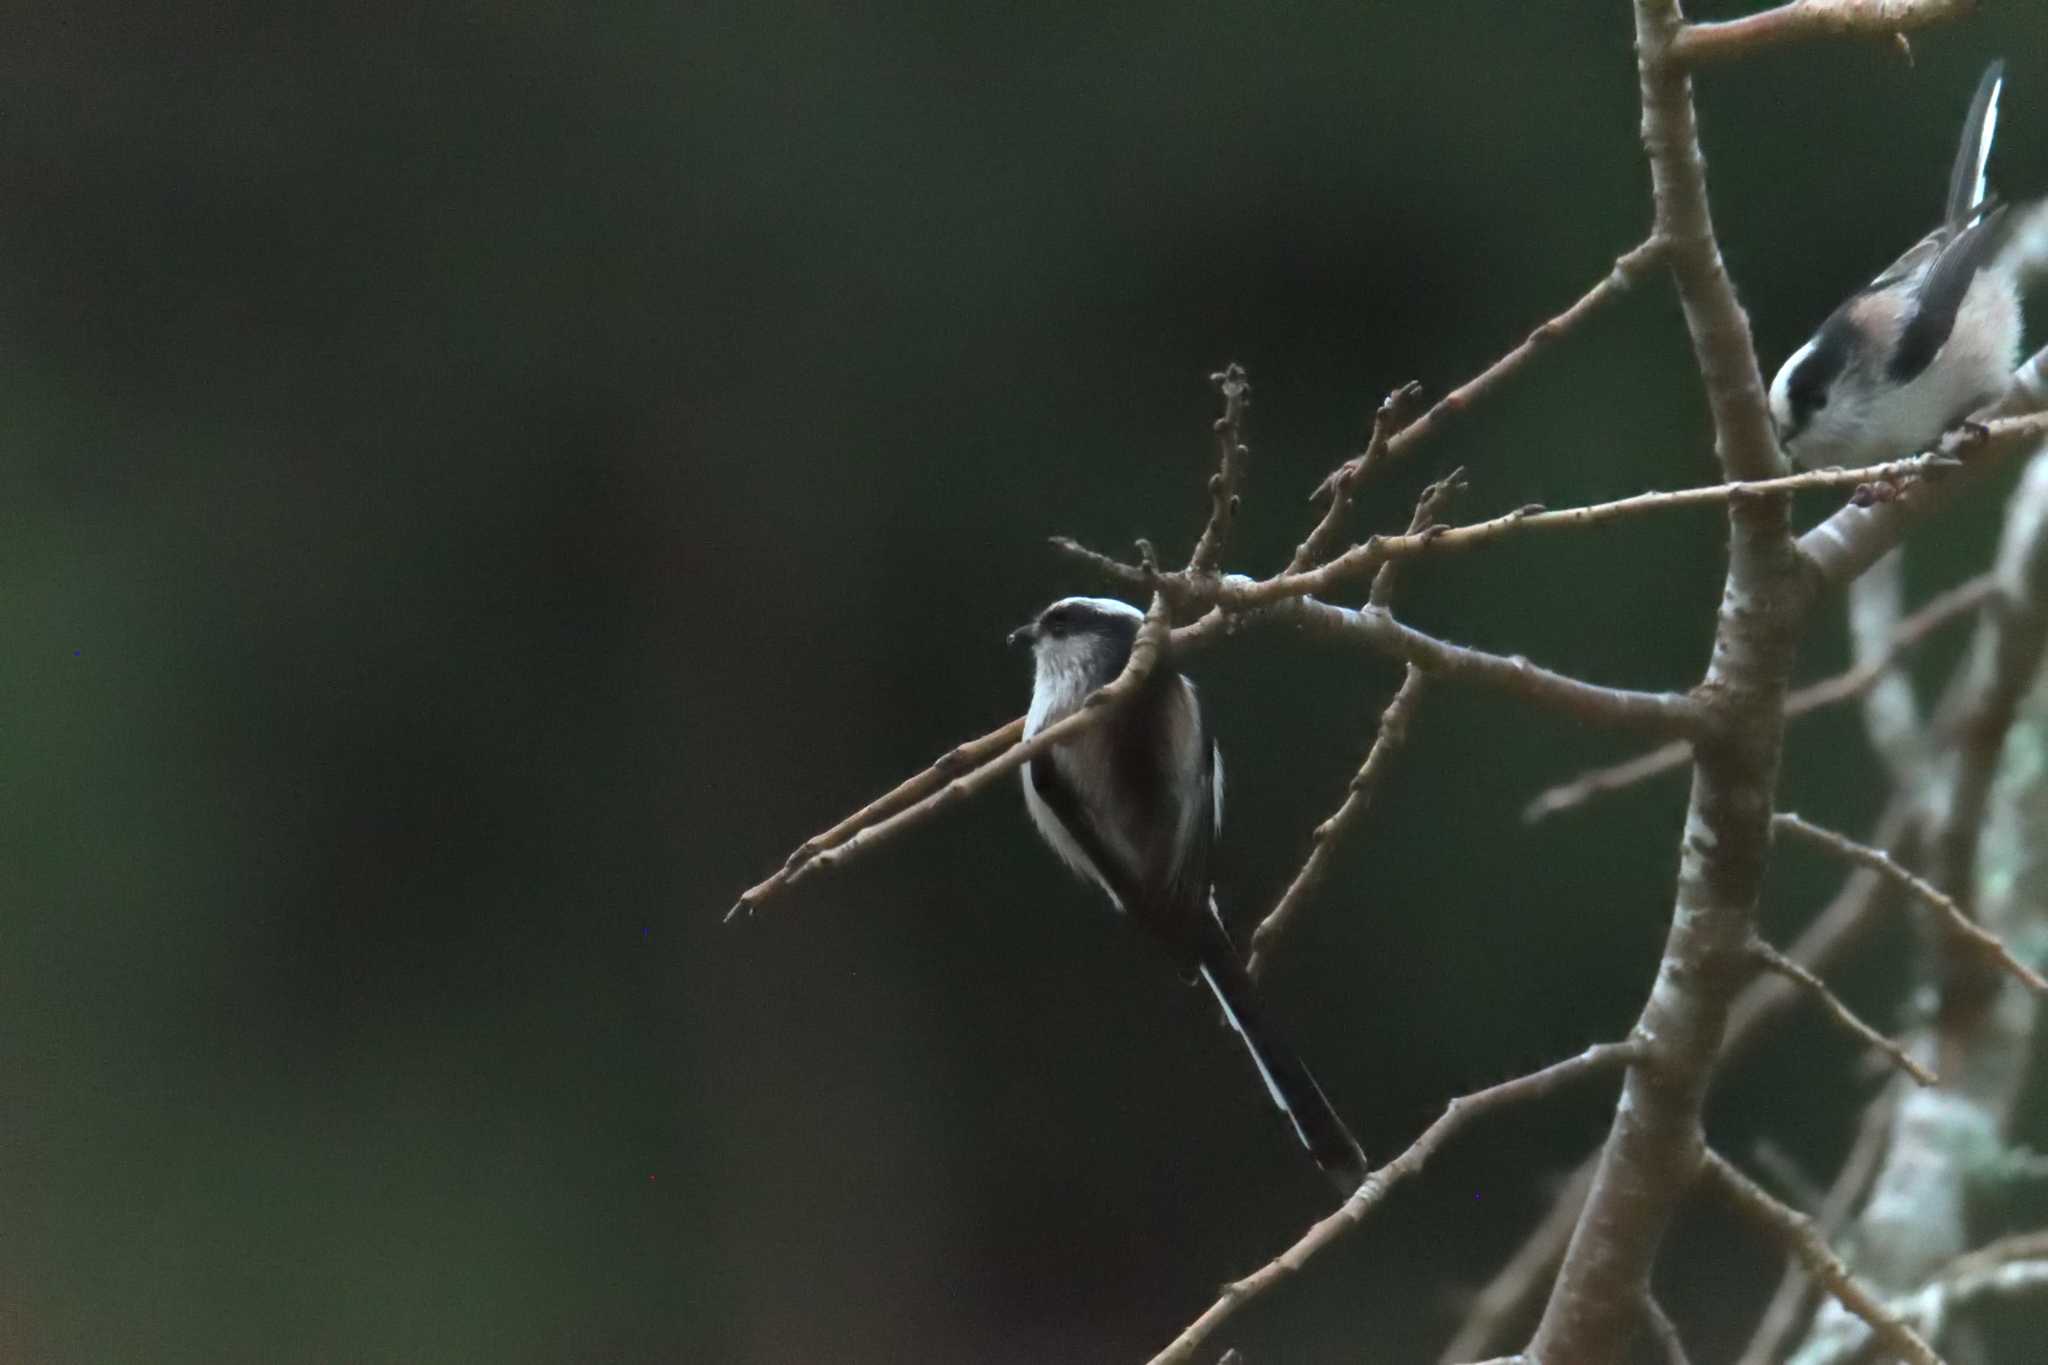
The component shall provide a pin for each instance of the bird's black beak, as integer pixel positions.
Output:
(1024, 635)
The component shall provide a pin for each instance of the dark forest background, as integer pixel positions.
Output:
(482, 482)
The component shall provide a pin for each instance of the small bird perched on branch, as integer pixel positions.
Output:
(1135, 805)
(1933, 338)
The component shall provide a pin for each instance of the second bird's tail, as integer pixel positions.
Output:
(1293, 1089)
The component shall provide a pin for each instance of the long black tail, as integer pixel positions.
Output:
(1287, 1080)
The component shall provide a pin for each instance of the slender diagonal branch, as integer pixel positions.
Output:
(1804, 19)
(1931, 1306)
(1369, 556)
(959, 759)
(1430, 509)
(1847, 685)
(1770, 958)
(2020, 1246)
(1939, 610)
(1792, 1301)
(1598, 1058)
(1658, 713)
(1959, 925)
(1795, 1231)
(1631, 266)
(1395, 412)
(1507, 1297)
(1358, 795)
(1245, 600)
(1145, 654)
(1392, 734)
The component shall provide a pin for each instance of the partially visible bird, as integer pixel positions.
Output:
(1934, 338)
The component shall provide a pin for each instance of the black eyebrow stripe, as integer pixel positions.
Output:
(1808, 385)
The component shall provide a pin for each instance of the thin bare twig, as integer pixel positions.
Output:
(1959, 925)
(1597, 782)
(1395, 412)
(1800, 1189)
(1795, 1230)
(1802, 19)
(1939, 610)
(1242, 601)
(1393, 732)
(1847, 685)
(1508, 1297)
(1858, 535)
(1353, 1211)
(1631, 266)
(1231, 453)
(1366, 557)
(1145, 653)
(1767, 956)
(955, 761)
(1792, 1301)
(1660, 713)
(1430, 509)
(1929, 1308)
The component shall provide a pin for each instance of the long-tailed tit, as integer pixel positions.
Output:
(1135, 804)
(1932, 339)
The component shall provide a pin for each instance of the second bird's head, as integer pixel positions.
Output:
(1081, 632)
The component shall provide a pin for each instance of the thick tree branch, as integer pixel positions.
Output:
(1795, 1231)
(1838, 927)
(1664, 1332)
(1600, 1057)
(1802, 19)
(1721, 342)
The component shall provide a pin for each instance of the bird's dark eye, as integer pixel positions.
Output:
(1808, 390)
(1814, 379)
(1057, 622)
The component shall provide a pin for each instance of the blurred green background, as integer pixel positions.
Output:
(483, 482)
